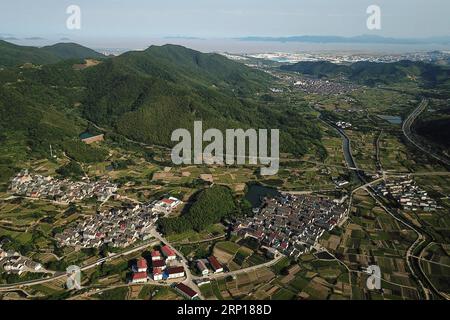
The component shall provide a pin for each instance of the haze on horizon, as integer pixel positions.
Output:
(111, 23)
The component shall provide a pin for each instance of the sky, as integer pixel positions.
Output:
(140, 19)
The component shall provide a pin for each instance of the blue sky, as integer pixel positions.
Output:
(223, 18)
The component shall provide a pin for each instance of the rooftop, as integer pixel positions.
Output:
(139, 275)
(187, 290)
(142, 263)
(214, 263)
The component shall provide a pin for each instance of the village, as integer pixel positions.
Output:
(63, 191)
(315, 85)
(117, 227)
(291, 224)
(406, 192)
(319, 86)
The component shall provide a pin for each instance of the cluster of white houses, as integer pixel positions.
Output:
(12, 262)
(410, 196)
(60, 190)
(291, 224)
(343, 124)
(117, 227)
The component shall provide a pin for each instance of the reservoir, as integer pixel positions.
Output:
(257, 192)
(391, 119)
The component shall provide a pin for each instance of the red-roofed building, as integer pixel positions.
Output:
(186, 291)
(156, 255)
(166, 205)
(142, 265)
(157, 274)
(168, 253)
(175, 272)
(168, 202)
(159, 264)
(202, 268)
(139, 277)
(216, 266)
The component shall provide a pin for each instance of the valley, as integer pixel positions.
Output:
(50, 97)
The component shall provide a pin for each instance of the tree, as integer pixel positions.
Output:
(211, 206)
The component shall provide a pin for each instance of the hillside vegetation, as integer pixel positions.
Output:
(142, 95)
(13, 55)
(211, 206)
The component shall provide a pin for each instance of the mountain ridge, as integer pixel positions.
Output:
(12, 55)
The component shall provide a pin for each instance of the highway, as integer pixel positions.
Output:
(406, 128)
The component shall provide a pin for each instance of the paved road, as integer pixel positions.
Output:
(411, 259)
(421, 239)
(60, 275)
(240, 271)
(406, 128)
(189, 278)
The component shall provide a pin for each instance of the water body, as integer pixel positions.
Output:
(346, 146)
(257, 192)
(86, 135)
(391, 119)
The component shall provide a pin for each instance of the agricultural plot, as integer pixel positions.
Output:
(374, 237)
(436, 265)
(192, 236)
(363, 149)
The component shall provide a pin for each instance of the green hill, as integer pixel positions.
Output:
(142, 95)
(66, 51)
(146, 95)
(35, 113)
(13, 55)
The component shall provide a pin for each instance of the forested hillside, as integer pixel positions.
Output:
(146, 95)
(13, 55)
(141, 95)
(211, 205)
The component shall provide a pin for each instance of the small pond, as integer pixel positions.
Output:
(257, 192)
(391, 119)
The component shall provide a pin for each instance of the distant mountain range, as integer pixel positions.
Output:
(13, 55)
(363, 39)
